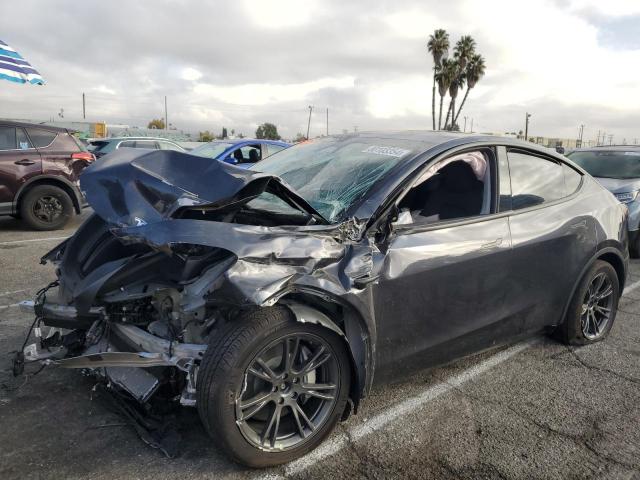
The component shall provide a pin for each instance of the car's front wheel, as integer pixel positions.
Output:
(593, 308)
(270, 389)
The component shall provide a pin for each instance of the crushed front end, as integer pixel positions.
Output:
(167, 260)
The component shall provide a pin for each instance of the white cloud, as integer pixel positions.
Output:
(610, 8)
(104, 89)
(191, 74)
(275, 14)
(262, 94)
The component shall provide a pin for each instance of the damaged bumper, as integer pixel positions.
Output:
(121, 356)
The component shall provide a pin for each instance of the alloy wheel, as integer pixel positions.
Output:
(289, 390)
(596, 307)
(47, 208)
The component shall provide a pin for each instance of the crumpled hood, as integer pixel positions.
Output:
(136, 187)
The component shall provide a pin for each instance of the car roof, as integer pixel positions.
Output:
(234, 141)
(35, 125)
(608, 148)
(115, 139)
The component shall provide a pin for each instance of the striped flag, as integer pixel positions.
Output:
(15, 68)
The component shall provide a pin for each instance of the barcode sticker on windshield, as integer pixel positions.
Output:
(388, 151)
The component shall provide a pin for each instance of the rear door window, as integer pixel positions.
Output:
(170, 146)
(271, 149)
(41, 138)
(572, 179)
(534, 180)
(22, 140)
(248, 156)
(146, 144)
(8, 138)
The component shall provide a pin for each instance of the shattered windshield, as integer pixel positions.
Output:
(333, 173)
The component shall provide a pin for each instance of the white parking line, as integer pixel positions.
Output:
(378, 422)
(4, 294)
(2, 307)
(46, 239)
(385, 418)
(632, 287)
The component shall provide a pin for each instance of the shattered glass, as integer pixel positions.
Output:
(333, 174)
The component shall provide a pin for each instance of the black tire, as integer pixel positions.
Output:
(222, 380)
(571, 332)
(634, 247)
(46, 207)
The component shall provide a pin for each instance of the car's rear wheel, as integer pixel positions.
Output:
(46, 207)
(270, 389)
(634, 247)
(593, 308)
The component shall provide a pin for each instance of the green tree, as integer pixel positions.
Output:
(456, 84)
(438, 46)
(299, 138)
(446, 74)
(465, 48)
(206, 136)
(268, 131)
(474, 72)
(157, 123)
(224, 133)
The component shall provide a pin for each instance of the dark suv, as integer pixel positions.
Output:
(39, 170)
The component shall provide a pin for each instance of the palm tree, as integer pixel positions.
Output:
(464, 50)
(456, 84)
(438, 45)
(445, 75)
(474, 72)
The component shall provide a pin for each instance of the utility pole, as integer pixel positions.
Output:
(309, 122)
(327, 121)
(84, 113)
(166, 118)
(464, 130)
(471, 124)
(581, 132)
(526, 126)
(610, 139)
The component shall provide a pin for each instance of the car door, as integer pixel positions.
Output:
(443, 289)
(552, 234)
(19, 162)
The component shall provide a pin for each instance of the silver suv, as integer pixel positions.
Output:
(617, 168)
(103, 146)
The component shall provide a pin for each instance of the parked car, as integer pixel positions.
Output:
(39, 170)
(244, 152)
(617, 168)
(102, 146)
(274, 300)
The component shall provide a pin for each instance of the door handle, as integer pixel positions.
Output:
(24, 161)
(496, 243)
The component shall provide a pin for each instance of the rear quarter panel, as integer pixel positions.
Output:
(57, 161)
(610, 217)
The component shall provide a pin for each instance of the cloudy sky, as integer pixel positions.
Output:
(243, 62)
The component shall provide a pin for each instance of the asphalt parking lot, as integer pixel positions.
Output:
(534, 410)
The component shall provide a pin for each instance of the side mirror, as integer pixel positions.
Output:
(402, 218)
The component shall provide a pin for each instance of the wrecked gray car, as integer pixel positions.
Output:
(274, 300)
